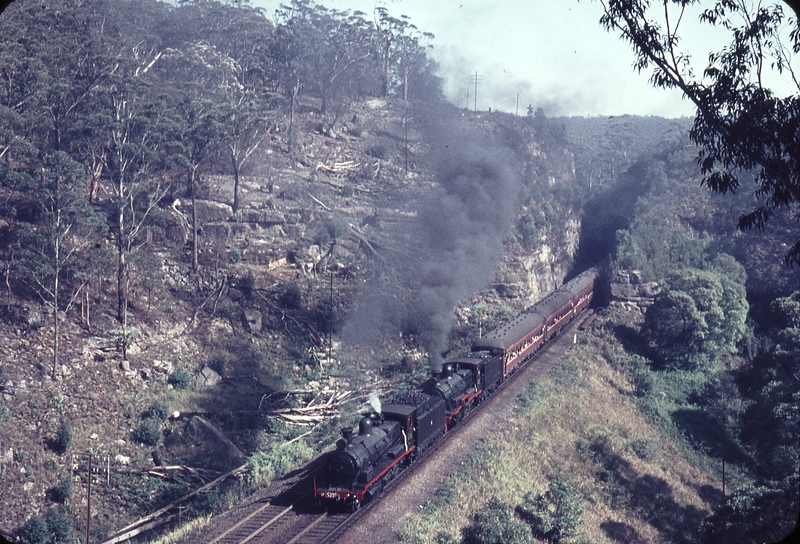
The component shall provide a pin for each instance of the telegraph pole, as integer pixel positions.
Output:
(475, 80)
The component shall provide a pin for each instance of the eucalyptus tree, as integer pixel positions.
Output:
(403, 53)
(197, 71)
(60, 245)
(133, 126)
(700, 317)
(741, 124)
(319, 47)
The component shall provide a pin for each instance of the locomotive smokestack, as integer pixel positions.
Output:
(347, 434)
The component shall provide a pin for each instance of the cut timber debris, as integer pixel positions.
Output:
(151, 522)
(312, 414)
(339, 167)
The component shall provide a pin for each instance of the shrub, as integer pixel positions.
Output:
(59, 524)
(555, 515)
(62, 490)
(181, 379)
(34, 532)
(265, 466)
(157, 411)
(337, 227)
(208, 503)
(5, 415)
(496, 524)
(148, 432)
(347, 190)
(63, 437)
(291, 298)
(378, 151)
(234, 255)
(247, 284)
(643, 448)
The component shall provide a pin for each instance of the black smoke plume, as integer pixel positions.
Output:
(451, 251)
(461, 225)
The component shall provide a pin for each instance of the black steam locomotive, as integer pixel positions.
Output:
(363, 464)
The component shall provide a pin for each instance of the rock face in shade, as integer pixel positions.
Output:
(211, 439)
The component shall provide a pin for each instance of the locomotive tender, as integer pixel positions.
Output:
(386, 443)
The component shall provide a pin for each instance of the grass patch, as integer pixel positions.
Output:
(581, 425)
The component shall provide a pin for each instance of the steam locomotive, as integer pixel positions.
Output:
(362, 464)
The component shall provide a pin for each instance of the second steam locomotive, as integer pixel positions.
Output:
(362, 464)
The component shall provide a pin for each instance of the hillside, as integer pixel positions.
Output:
(216, 243)
(257, 312)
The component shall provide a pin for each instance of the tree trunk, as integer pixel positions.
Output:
(122, 267)
(235, 164)
(193, 194)
(55, 322)
(292, 104)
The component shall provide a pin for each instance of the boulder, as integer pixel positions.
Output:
(207, 377)
(208, 210)
(212, 440)
(252, 320)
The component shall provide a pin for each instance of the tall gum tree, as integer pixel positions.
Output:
(132, 127)
(58, 246)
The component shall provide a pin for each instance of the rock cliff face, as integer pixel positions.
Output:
(630, 293)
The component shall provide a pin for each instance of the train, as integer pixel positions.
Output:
(405, 429)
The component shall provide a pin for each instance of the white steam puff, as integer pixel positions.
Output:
(375, 401)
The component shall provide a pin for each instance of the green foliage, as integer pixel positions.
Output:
(699, 317)
(157, 411)
(35, 531)
(378, 151)
(555, 515)
(291, 297)
(148, 432)
(180, 379)
(62, 490)
(59, 524)
(5, 414)
(496, 523)
(337, 227)
(751, 515)
(234, 255)
(247, 284)
(63, 438)
(786, 311)
(268, 465)
(208, 503)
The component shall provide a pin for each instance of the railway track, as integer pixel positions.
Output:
(286, 514)
(289, 516)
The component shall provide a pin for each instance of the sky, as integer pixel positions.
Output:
(551, 54)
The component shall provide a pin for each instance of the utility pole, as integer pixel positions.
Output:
(517, 114)
(83, 463)
(475, 80)
(330, 324)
